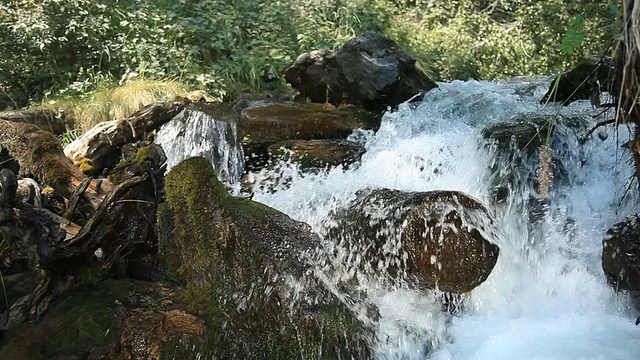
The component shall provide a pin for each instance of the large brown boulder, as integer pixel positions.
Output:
(444, 238)
(244, 265)
(621, 256)
(370, 70)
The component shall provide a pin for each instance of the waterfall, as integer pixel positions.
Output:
(194, 132)
(547, 297)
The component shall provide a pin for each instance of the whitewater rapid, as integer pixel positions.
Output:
(547, 297)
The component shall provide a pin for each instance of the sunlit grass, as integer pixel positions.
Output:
(112, 103)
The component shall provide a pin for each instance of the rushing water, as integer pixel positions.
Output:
(547, 297)
(194, 133)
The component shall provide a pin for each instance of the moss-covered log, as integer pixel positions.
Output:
(45, 119)
(244, 265)
(39, 154)
(443, 239)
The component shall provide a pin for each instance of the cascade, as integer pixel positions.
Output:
(193, 132)
(547, 297)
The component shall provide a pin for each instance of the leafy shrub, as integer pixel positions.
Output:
(231, 47)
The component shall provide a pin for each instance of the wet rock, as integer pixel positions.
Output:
(444, 238)
(621, 256)
(318, 153)
(518, 142)
(591, 76)
(244, 265)
(370, 70)
(265, 122)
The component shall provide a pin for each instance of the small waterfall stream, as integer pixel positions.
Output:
(194, 133)
(547, 297)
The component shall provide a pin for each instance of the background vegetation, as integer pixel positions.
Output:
(73, 48)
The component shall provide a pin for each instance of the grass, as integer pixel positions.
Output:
(112, 103)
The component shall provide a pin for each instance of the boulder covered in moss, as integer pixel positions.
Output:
(245, 267)
(443, 239)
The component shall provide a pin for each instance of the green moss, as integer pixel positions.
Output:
(88, 276)
(86, 166)
(225, 277)
(80, 321)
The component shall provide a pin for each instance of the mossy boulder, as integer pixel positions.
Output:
(244, 267)
(443, 239)
(318, 153)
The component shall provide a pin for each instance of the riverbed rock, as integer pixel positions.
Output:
(587, 80)
(370, 70)
(265, 122)
(518, 142)
(621, 256)
(446, 239)
(320, 153)
(244, 265)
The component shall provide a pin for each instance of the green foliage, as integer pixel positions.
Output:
(228, 48)
(574, 36)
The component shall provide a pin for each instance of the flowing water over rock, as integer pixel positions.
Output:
(195, 133)
(547, 297)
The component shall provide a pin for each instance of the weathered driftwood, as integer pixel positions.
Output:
(38, 153)
(101, 146)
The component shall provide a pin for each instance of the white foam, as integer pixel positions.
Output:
(547, 298)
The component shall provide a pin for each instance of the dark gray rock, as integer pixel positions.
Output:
(591, 76)
(621, 256)
(370, 70)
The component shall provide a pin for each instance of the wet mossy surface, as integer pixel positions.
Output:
(77, 323)
(234, 257)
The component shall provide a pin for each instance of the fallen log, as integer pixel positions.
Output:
(39, 154)
(60, 251)
(100, 148)
(45, 119)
